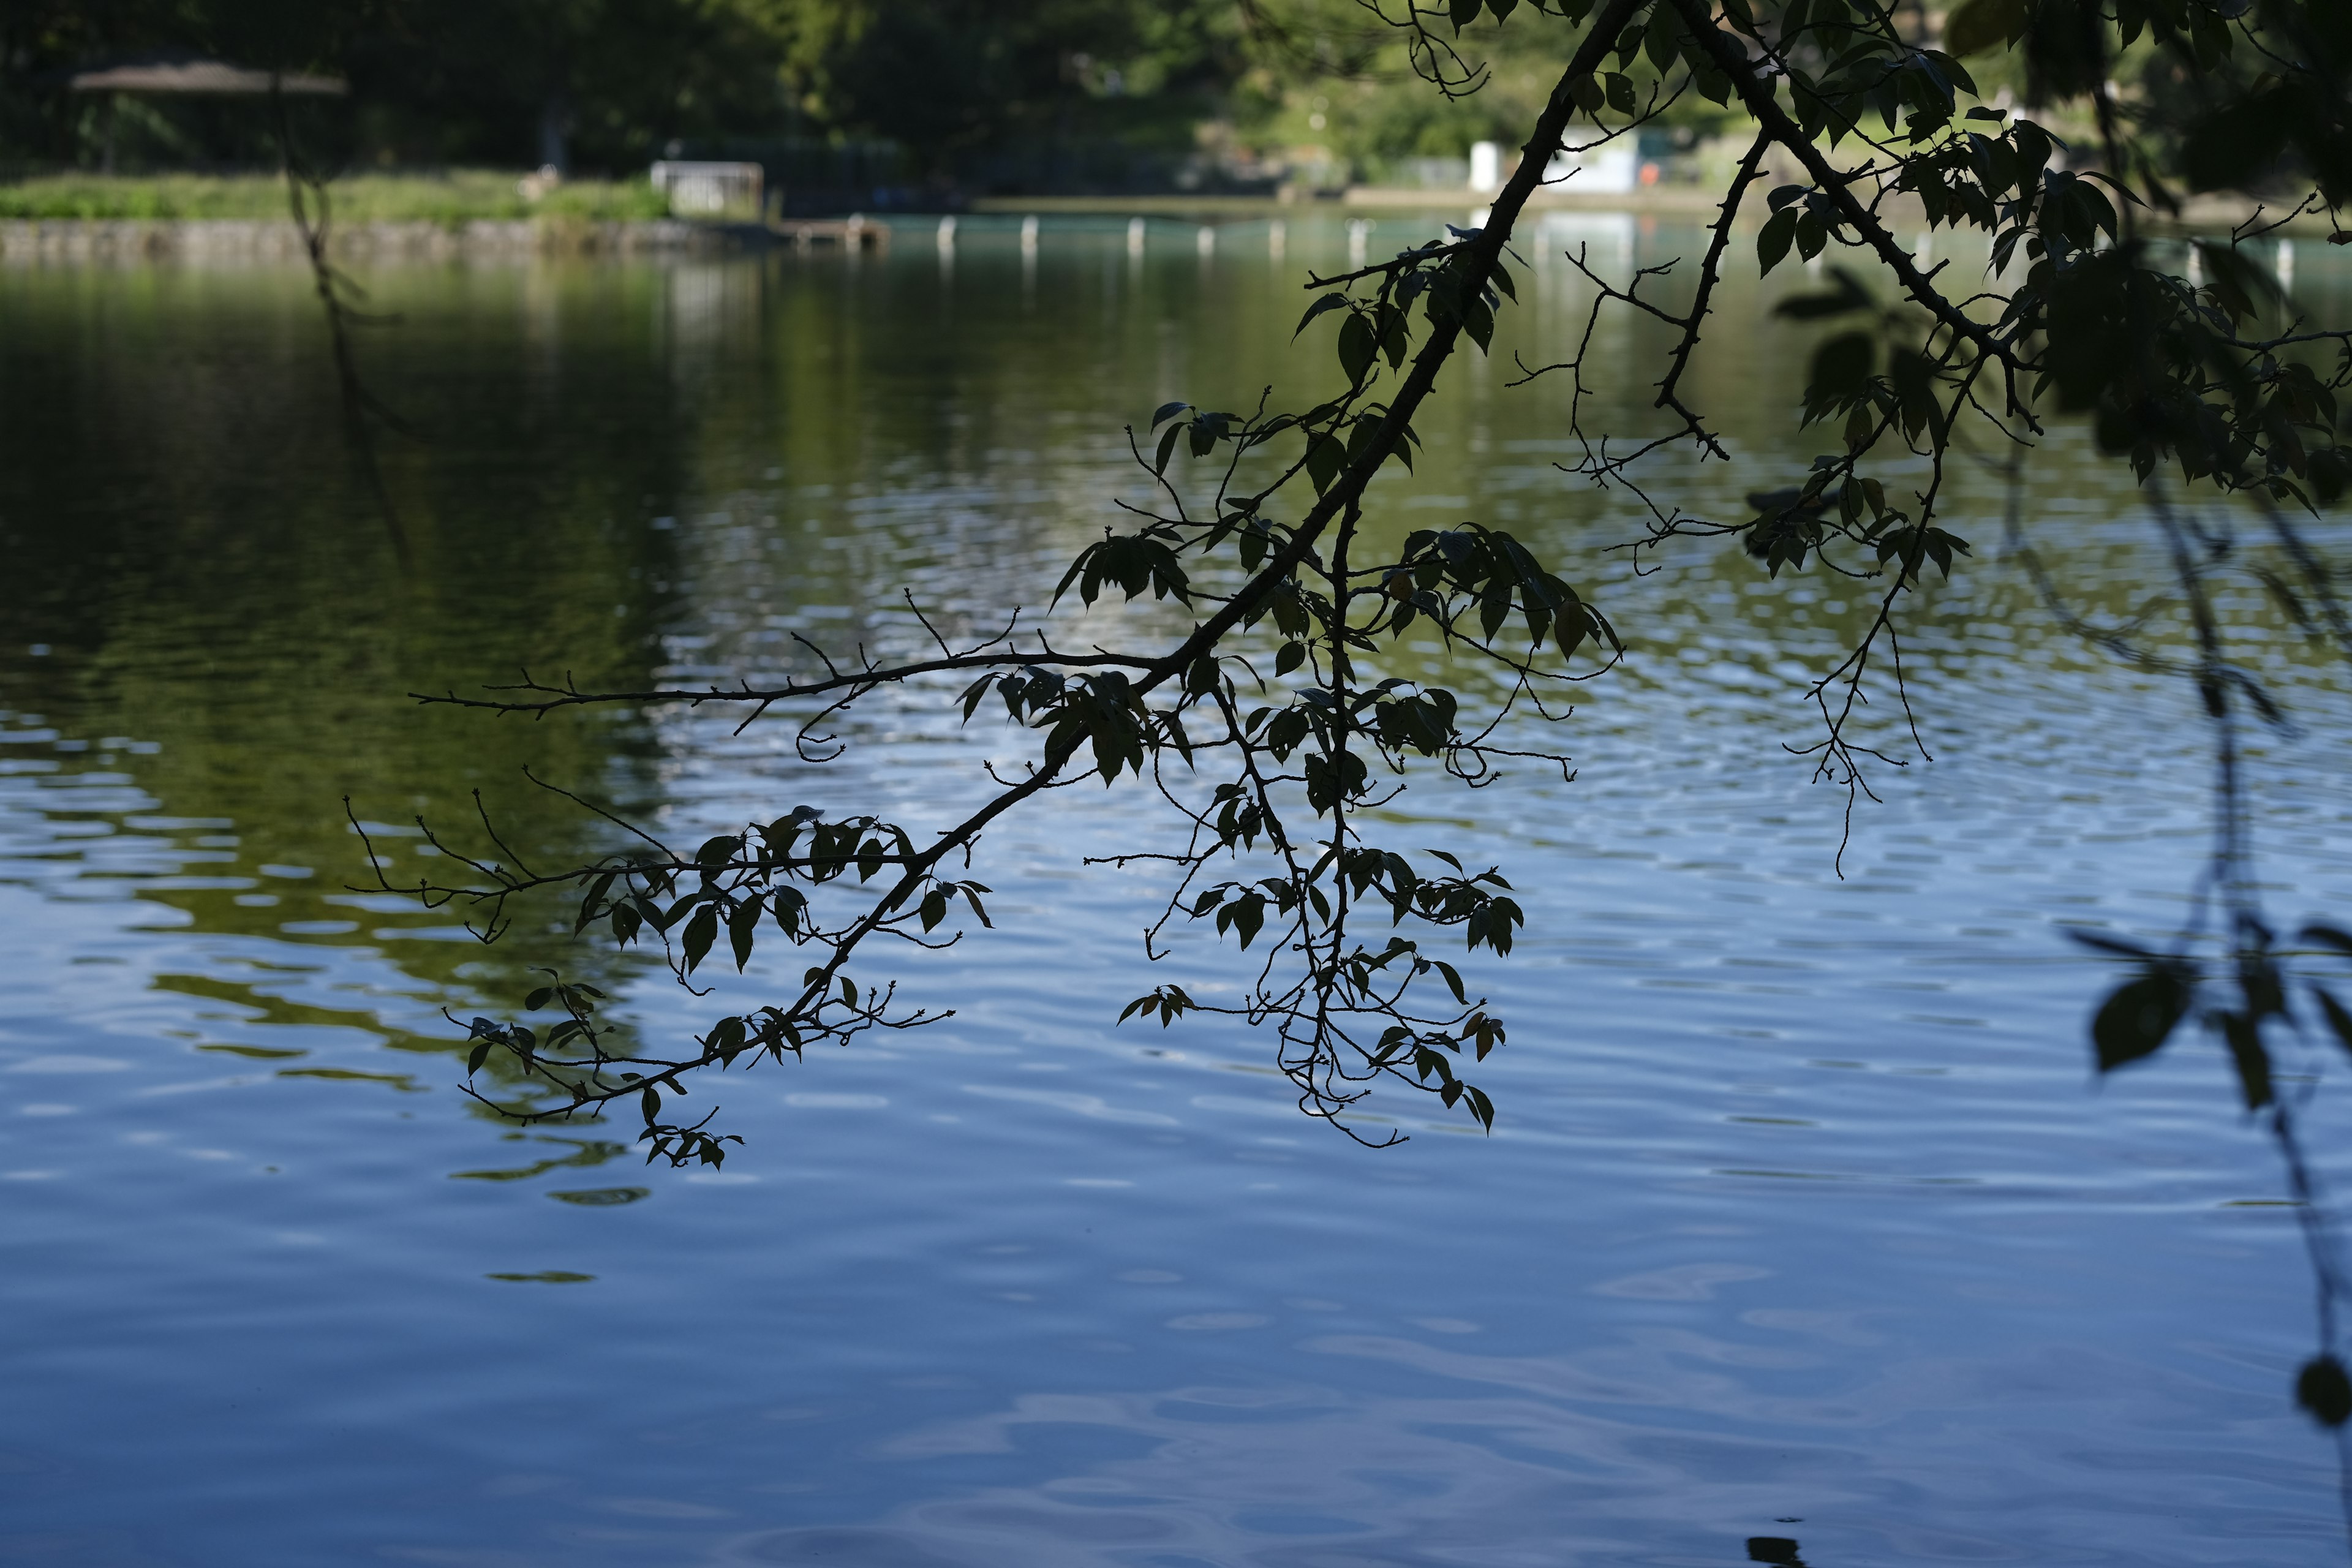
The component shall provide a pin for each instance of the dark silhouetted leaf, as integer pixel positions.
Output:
(2328, 936)
(1848, 295)
(742, 929)
(2243, 1035)
(1841, 366)
(700, 933)
(2324, 1390)
(1326, 302)
(1773, 242)
(1356, 347)
(2138, 1016)
(1326, 455)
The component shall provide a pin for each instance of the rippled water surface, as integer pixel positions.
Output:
(1802, 1218)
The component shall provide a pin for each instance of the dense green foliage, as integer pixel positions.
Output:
(609, 83)
(959, 84)
(433, 81)
(965, 87)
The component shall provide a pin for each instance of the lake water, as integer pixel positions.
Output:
(1802, 1217)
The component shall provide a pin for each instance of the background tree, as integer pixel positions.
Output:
(963, 74)
(961, 85)
(511, 82)
(611, 82)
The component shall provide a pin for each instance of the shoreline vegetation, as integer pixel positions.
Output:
(231, 240)
(459, 196)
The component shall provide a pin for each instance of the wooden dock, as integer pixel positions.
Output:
(852, 233)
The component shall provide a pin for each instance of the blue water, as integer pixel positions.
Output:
(1802, 1217)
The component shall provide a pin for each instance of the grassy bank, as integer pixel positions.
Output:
(454, 198)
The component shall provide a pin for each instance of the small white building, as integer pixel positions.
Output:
(709, 190)
(1611, 168)
(1614, 168)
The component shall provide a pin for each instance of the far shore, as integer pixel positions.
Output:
(267, 239)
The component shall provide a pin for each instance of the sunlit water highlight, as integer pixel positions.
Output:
(1802, 1218)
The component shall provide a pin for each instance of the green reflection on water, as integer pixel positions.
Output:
(603, 1197)
(585, 1151)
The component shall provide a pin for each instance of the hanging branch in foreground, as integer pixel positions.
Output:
(1268, 777)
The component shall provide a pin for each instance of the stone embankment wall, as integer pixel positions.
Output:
(277, 239)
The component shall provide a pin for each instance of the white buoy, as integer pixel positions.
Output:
(946, 233)
(1029, 235)
(1135, 237)
(1275, 234)
(2286, 264)
(1360, 231)
(1204, 240)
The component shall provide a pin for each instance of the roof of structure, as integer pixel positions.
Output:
(188, 73)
